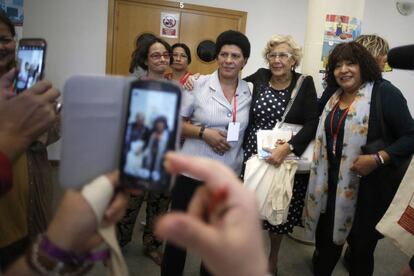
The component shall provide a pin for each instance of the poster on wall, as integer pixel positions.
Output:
(169, 24)
(338, 29)
(14, 10)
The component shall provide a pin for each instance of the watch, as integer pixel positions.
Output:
(201, 132)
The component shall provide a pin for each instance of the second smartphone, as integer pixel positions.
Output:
(152, 128)
(31, 56)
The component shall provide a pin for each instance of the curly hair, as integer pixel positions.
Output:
(160, 119)
(287, 39)
(356, 53)
(232, 37)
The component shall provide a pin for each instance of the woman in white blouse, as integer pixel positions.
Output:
(218, 108)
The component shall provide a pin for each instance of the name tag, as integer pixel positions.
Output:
(233, 132)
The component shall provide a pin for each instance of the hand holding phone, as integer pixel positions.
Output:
(31, 55)
(151, 129)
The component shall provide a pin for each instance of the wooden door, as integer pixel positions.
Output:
(129, 18)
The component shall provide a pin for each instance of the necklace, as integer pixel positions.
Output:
(287, 82)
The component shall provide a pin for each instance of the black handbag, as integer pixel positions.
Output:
(386, 178)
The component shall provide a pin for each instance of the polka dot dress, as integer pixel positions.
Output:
(268, 108)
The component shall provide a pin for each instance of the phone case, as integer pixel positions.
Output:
(92, 126)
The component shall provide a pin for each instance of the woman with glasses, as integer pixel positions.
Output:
(271, 94)
(181, 58)
(26, 210)
(136, 70)
(218, 107)
(154, 57)
(365, 128)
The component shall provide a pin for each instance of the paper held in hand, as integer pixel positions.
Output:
(283, 132)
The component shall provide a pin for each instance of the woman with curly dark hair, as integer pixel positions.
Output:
(345, 200)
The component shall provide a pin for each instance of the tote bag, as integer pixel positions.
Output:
(273, 187)
(398, 221)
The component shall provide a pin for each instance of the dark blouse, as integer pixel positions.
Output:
(304, 110)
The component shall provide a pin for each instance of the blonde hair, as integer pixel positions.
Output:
(287, 39)
(375, 44)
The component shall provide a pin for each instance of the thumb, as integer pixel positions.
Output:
(188, 232)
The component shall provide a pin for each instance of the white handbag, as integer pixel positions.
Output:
(285, 131)
(398, 222)
(273, 187)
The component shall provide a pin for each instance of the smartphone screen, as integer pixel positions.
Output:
(151, 129)
(30, 59)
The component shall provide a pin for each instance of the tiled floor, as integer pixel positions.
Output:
(295, 259)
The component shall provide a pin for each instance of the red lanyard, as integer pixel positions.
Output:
(234, 109)
(338, 128)
(184, 78)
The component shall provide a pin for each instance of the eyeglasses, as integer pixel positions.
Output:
(183, 56)
(233, 56)
(4, 40)
(283, 56)
(157, 56)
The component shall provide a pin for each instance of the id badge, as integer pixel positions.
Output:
(233, 132)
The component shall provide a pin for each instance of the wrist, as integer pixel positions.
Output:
(47, 259)
(59, 238)
(12, 146)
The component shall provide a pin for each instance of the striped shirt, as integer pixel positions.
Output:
(206, 105)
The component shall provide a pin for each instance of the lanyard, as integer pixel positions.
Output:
(234, 108)
(338, 128)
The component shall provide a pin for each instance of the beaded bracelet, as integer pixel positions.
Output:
(47, 259)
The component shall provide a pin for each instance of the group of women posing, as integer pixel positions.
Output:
(221, 117)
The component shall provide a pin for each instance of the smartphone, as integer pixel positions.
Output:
(152, 127)
(31, 55)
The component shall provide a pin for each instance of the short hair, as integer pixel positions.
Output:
(186, 50)
(287, 39)
(232, 37)
(356, 53)
(6, 21)
(160, 119)
(139, 42)
(375, 44)
(143, 51)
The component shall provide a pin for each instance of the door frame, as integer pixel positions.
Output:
(178, 6)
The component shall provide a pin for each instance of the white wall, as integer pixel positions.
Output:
(76, 32)
(264, 20)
